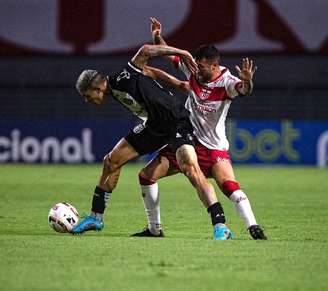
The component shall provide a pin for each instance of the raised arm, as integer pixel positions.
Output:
(156, 34)
(147, 52)
(167, 79)
(246, 75)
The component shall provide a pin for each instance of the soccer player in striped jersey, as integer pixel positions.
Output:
(210, 93)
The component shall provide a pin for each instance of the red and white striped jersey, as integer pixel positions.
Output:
(209, 104)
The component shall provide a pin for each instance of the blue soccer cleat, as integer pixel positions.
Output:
(222, 232)
(88, 223)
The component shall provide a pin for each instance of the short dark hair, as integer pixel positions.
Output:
(84, 80)
(208, 52)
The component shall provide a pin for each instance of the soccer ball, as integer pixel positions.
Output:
(63, 217)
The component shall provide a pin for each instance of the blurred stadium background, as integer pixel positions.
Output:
(45, 44)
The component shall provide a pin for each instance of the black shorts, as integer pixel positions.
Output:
(145, 141)
(183, 134)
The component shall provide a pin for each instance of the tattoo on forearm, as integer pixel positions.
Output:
(160, 51)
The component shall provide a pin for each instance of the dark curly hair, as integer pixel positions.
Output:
(208, 52)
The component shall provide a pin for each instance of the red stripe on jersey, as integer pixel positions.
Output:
(195, 86)
(208, 94)
(218, 94)
(176, 62)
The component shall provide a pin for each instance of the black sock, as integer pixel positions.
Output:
(217, 213)
(99, 200)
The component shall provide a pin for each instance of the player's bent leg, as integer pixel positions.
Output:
(223, 174)
(157, 168)
(112, 164)
(120, 154)
(187, 160)
(148, 177)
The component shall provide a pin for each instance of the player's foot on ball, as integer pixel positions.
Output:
(256, 232)
(222, 232)
(147, 233)
(88, 223)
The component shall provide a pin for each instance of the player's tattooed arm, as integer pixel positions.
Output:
(147, 52)
(246, 75)
(167, 79)
(156, 31)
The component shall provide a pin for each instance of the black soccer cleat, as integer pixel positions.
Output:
(146, 233)
(256, 232)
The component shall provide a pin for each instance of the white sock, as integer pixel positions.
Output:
(243, 207)
(150, 196)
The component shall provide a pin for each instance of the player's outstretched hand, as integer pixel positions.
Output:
(247, 71)
(155, 27)
(188, 59)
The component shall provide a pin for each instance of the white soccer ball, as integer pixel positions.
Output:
(63, 217)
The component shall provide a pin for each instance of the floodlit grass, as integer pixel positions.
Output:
(290, 203)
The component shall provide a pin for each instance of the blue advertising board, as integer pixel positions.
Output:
(279, 142)
(60, 141)
(84, 141)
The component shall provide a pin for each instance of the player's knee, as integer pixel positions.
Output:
(229, 186)
(145, 173)
(109, 163)
(187, 168)
(145, 178)
(190, 171)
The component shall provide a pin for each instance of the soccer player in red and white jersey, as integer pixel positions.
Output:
(210, 93)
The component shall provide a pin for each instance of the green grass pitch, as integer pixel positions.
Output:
(290, 203)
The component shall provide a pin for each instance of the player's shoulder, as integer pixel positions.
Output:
(125, 73)
(131, 67)
(222, 78)
(226, 74)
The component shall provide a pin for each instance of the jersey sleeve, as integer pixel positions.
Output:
(179, 64)
(231, 84)
(126, 79)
